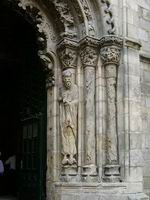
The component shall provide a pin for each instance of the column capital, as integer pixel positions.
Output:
(67, 51)
(89, 51)
(110, 49)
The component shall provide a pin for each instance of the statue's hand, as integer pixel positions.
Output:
(66, 103)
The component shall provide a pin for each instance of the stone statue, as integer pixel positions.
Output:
(68, 118)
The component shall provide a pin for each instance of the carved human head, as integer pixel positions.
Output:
(67, 79)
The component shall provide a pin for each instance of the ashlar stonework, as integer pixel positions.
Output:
(96, 57)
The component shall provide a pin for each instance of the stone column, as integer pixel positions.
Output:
(68, 101)
(89, 57)
(110, 56)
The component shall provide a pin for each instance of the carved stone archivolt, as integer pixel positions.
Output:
(65, 13)
(48, 64)
(32, 13)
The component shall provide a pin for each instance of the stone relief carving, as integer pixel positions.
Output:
(110, 41)
(86, 9)
(48, 68)
(65, 13)
(32, 13)
(110, 49)
(82, 8)
(68, 58)
(110, 20)
(77, 7)
(87, 12)
(67, 50)
(110, 55)
(89, 56)
(66, 17)
(68, 118)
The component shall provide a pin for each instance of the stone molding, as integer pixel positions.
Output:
(134, 44)
(110, 49)
(32, 14)
(65, 13)
(111, 40)
(110, 20)
(89, 51)
(67, 50)
(48, 64)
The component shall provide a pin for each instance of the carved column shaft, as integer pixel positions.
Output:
(111, 137)
(89, 56)
(89, 93)
(110, 55)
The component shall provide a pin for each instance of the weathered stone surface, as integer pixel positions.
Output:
(112, 78)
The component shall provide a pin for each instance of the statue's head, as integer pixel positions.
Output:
(67, 79)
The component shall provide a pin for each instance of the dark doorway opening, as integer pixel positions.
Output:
(22, 108)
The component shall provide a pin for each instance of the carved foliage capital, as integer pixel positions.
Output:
(111, 49)
(67, 51)
(110, 55)
(89, 56)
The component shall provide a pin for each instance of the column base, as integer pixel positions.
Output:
(112, 173)
(89, 173)
(69, 174)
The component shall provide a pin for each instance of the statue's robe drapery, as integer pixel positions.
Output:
(68, 120)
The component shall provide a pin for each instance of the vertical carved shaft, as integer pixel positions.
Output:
(89, 57)
(110, 55)
(89, 93)
(111, 137)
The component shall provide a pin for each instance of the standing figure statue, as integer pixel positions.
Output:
(68, 118)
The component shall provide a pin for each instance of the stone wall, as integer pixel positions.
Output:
(144, 24)
(144, 37)
(100, 59)
(145, 87)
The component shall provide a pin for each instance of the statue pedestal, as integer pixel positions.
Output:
(69, 174)
(112, 173)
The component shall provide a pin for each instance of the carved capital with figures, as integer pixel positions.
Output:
(110, 49)
(89, 51)
(67, 50)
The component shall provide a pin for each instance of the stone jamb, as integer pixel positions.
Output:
(67, 52)
(89, 58)
(110, 51)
